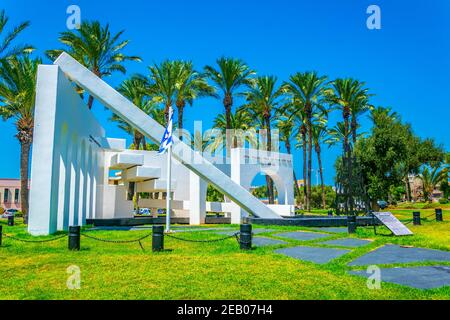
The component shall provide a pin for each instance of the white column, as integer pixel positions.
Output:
(197, 197)
(235, 160)
(42, 152)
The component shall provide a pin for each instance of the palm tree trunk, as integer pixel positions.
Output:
(354, 125)
(287, 143)
(180, 106)
(319, 160)
(227, 103)
(269, 181)
(166, 111)
(24, 164)
(348, 157)
(229, 143)
(408, 189)
(310, 146)
(144, 143)
(305, 182)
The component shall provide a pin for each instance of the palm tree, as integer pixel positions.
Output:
(262, 99)
(6, 51)
(343, 94)
(320, 135)
(229, 77)
(96, 48)
(431, 179)
(190, 86)
(17, 96)
(285, 126)
(164, 80)
(307, 90)
(300, 118)
(359, 107)
(135, 89)
(240, 120)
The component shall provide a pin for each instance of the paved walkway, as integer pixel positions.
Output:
(323, 251)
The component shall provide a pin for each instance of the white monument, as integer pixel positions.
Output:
(72, 162)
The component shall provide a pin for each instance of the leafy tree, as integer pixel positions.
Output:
(17, 98)
(317, 197)
(384, 153)
(96, 48)
(7, 49)
(214, 195)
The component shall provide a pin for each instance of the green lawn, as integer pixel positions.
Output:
(197, 270)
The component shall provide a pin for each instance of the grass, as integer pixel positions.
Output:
(198, 270)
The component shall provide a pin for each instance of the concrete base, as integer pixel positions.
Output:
(313, 221)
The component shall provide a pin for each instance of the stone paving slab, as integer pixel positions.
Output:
(302, 235)
(332, 229)
(313, 254)
(347, 242)
(263, 242)
(427, 277)
(390, 254)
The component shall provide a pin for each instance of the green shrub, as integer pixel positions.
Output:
(443, 201)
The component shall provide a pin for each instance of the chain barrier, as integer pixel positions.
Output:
(234, 235)
(116, 241)
(34, 241)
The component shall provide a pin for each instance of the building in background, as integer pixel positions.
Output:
(10, 194)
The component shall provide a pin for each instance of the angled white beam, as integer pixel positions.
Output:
(110, 98)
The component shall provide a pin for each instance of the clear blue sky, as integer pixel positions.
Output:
(406, 63)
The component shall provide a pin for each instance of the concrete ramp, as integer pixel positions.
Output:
(110, 98)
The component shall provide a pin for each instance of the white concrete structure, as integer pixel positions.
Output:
(72, 159)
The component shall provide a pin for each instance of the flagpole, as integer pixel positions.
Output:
(169, 182)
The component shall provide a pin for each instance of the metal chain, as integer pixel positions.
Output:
(406, 223)
(116, 241)
(240, 241)
(204, 241)
(34, 241)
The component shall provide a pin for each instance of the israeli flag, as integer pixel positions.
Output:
(167, 139)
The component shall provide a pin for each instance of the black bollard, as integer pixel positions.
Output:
(438, 214)
(1, 234)
(330, 213)
(416, 218)
(158, 238)
(351, 224)
(11, 220)
(246, 236)
(74, 238)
